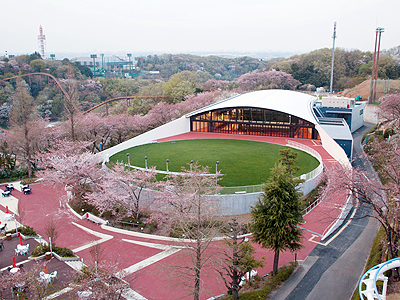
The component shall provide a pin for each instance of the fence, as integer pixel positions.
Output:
(305, 177)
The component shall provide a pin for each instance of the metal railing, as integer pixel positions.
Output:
(305, 177)
(241, 189)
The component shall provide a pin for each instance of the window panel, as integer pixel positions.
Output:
(254, 121)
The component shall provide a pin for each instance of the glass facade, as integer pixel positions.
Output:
(253, 121)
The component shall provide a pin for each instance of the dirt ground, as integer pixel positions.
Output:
(392, 86)
(393, 292)
(241, 219)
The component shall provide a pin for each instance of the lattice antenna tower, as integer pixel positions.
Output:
(333, 57)
(42, 41)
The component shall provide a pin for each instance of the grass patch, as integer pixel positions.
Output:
(241, 162)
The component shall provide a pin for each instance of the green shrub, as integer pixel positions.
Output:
(25, 230)
(151, 227)
(41, 249)
(81, 207)
(270, 284)
(11, 175)
(28, 180)
(282, 275)
(368, 132)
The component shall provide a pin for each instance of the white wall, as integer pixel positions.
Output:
(370, 114)
(332, 147)
(357, 120)
(179, 126)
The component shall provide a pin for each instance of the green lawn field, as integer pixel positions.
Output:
(241, 162)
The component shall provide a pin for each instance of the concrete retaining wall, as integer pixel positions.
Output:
(239, 204)
(370, 114)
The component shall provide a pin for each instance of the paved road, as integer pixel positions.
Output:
(333, 271)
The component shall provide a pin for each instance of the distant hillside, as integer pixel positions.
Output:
(362, 89)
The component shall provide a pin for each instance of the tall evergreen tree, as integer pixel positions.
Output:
(289, 158)
(277, 213)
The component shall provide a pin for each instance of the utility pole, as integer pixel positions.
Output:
(333, 57)
(375, 66)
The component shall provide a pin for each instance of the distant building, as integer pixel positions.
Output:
(110, 66)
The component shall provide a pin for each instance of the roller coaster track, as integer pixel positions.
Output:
(55, 80)
(119, 98)
(367, 286)
(69, 99)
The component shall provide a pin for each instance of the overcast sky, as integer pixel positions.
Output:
(188, 26)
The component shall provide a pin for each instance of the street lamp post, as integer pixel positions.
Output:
(216, 178)
(145, 162)
(167, 165)
(129, 161)
(51, 246)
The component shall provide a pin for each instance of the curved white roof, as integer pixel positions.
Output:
(290, 102)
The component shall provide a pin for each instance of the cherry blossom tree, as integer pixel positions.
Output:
(381, 197)
(123, 189)
(213, 84)
(258, 80)
(23, 112)
(161, 113)
(94, 128)
(72, 97)
(196, 101)
(27, 279)
(389, 110)
(26, 140)
(70, 164)
(194, 216)
(101, 281)
(122, 127)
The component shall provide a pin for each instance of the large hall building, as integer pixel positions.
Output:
(277, 113)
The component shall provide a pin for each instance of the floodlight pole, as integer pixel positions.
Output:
(94, 56)
(129, 62)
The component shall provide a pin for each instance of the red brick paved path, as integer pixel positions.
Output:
(156, 281)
